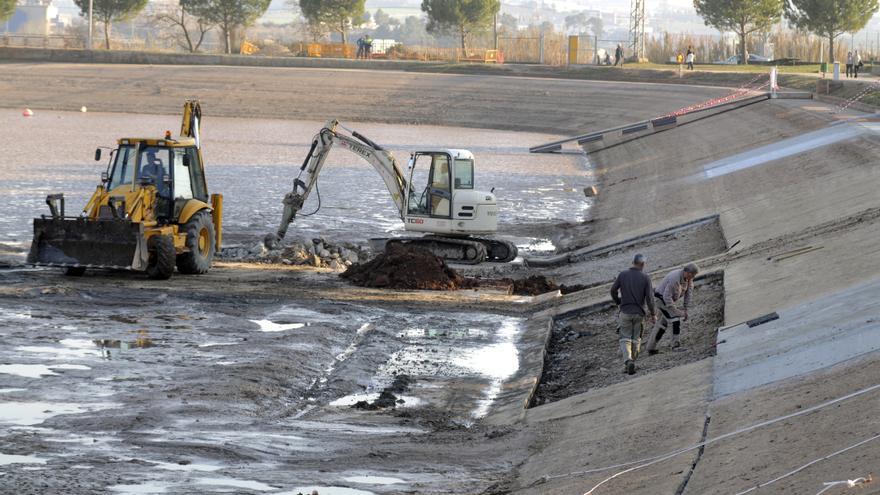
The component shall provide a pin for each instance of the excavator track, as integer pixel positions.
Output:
(498, 251)
(467, 251)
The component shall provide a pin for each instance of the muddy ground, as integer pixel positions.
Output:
(180, 394)
(583, 351)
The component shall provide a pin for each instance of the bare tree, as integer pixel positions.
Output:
(191, 29)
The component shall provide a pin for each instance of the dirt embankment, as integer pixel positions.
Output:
(512, 103)
(407, 267)
(583, 352)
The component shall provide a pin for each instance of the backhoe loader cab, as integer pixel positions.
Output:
(152, 211)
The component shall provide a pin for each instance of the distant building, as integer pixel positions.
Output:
(35, 17)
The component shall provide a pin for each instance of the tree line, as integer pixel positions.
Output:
(464, 18)
(826, 18)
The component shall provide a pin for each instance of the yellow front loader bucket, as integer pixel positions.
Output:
(88, 243)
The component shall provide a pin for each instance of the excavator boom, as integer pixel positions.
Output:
(328, 137)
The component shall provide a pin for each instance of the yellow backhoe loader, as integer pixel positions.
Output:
(151, 212)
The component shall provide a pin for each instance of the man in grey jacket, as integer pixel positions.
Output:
(632, 292)
(673, 299)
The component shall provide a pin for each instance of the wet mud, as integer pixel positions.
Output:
(535, 285)
(583, 351)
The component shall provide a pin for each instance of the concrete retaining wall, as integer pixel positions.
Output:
(20, 54)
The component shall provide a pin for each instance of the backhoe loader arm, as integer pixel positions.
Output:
(192, 120)
(381, 160)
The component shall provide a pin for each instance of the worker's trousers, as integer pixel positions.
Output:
(629, 329)
(667, 317)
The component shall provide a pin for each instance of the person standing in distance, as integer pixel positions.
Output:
(632, 292)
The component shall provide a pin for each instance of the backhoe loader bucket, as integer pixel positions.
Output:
(88, 243)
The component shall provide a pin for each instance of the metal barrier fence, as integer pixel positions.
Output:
(38, 41)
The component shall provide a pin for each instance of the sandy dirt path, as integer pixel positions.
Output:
(492, 102)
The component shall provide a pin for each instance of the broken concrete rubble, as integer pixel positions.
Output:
(318, 252)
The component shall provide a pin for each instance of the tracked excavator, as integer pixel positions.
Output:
(150, 213)
(436, 197)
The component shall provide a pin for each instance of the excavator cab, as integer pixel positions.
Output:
(441, 195)
(150, 213)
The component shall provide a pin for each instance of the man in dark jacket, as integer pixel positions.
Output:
(618, 56)
(632, 291)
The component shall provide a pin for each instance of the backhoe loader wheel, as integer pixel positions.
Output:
(162, 254)
(200, 244)
(75, 271)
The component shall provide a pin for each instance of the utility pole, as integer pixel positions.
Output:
(495, 30)
(637, 29)
(89, 46)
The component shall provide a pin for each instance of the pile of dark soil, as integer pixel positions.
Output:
(387, 399)
(539, 284)
(407, 267)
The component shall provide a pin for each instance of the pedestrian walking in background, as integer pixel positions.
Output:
(857, 63)
(673, 297)
(632, 292)
(690, 57)
(368, 47)
(360, 50)
(849, 64)
(618, 55)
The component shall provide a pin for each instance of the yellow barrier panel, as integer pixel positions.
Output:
(248, 48)
(573, 50)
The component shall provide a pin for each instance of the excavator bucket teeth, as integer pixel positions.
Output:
(88, 243)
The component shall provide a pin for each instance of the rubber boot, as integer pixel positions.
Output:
(626, 350)
(676, 343)
(654, 337)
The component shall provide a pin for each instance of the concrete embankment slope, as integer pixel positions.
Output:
(805, 226)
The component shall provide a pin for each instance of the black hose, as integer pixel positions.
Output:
(318, 192)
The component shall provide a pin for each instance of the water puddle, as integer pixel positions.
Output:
(269, 326)
(148, 487)
(69, 349)
(6, 459)
(542, 246)
(350, 400)
(497, 361)
(486, 349)
(347, 428)
(33, 413)
(190, 466)
(326, 490)
(234, 483)
(74, 438)
(374, 480)
(142, 341)
(15, 315)
(217, 344)
(35, 371)
(26, 370)
(70, 367)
